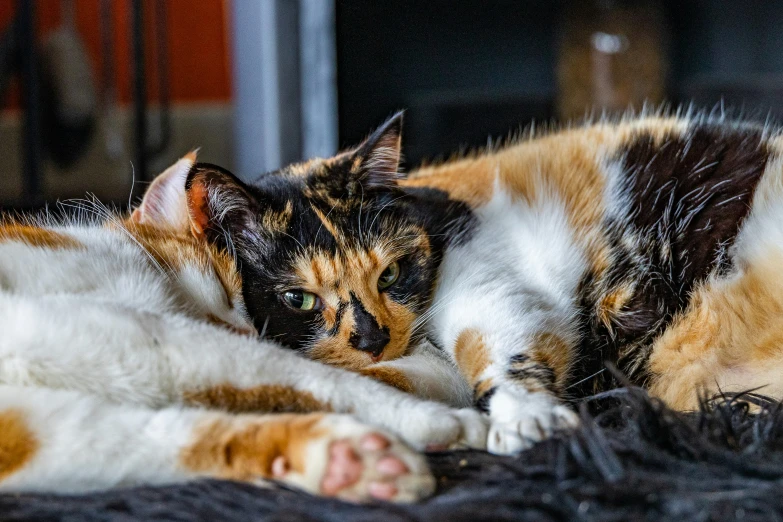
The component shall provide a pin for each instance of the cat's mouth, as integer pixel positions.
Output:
(396, 348)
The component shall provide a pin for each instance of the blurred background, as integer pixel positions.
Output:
(100, 95)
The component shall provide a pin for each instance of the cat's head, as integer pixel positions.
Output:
(336, 259)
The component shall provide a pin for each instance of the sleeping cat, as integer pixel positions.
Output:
(653, 243)
(116, 335)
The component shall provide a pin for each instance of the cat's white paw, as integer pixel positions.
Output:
(520, 420)
(430, 425)
(475, 427)
(352, 461)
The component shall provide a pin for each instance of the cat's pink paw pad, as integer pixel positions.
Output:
(361, 466)
(367, 468)
(343, 470)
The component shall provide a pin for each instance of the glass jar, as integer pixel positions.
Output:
(612, 57)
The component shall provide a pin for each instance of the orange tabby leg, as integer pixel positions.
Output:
(330, 455)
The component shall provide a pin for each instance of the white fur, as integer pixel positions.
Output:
(514, 278)
(88, 443)
(99, 346)
(762, 231)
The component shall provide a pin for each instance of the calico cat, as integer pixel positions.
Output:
(653, 243)
(127, 357)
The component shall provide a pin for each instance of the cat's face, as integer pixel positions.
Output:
(336, 260)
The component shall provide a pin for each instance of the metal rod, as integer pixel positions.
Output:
(139, 95)
(31, 133)
(162, 62)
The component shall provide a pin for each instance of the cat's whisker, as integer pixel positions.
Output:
(100, 211)
(322, 221)
(361, 206)
(372, 223)
(435, 307)
(297, 241)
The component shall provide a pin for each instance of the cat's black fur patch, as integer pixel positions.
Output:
(481, 400)
(687, 198)
(523, 368)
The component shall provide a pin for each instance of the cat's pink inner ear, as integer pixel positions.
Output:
(218, 202)
(385, 156)
(136, 216)
(198, 207)
(164, 204)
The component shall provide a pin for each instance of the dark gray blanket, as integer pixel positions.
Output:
(632, 460)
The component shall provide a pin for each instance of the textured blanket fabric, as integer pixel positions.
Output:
(632, 460)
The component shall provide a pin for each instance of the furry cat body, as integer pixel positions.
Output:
(127, 357)
(650, 243)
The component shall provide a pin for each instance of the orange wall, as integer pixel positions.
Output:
(199, 66)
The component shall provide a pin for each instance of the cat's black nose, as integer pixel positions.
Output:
(368, 336)
(373, 342)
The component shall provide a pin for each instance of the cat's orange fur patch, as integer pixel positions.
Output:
(730, 338)
(482, 387)
(554, 352)
(471, 355)
(37, 237)
(328, 225)
(306, 168)
(610, 304)
(244, 449)
(390, 376)
(274, 221)
(18, 444)
(271, 398)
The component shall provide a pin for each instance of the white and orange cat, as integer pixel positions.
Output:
(127, 357)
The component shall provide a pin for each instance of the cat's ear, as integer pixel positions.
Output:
(219, 204)
(378, 157)
(164, 204)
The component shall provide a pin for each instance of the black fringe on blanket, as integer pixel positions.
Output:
(632, 460)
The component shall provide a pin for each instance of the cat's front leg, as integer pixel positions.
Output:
(257, 376)
(426, 372)
(520, 389)
(67, 442)
(505, 309)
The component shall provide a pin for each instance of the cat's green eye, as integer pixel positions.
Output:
(389, 276)
(301, 300)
